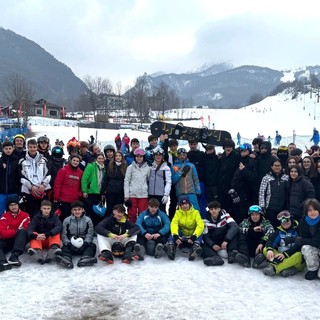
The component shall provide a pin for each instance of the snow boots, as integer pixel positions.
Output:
(195, 251)
(14, 259)
(288, 272)
(311, 275)
(52, 253)
(106, 256)
(139, 250)
(259, 261)
(65, 262)
(86, 261)
(37, 255)
(170, 249)
(158, 250)
(4, 265)
(269, 270)
(129, 254)
(213, 261)
(243, 260)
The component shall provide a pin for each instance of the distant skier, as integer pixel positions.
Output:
(278, 138)
(117, 141)
(315, 137)
(238, 139)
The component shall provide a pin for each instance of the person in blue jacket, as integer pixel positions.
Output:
(315, 137)
(154, 230)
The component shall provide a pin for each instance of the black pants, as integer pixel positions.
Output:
(112, 200)
(86, 250)
(93, 199)
(173, 202)
(16, 244)
(209, 252)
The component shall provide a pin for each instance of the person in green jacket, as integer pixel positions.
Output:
(91, 183)
(186, 230)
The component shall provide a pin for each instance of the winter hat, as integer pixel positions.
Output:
(184, 199)
(21, 136)
(12, 200)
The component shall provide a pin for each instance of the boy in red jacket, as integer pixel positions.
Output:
(13, 234)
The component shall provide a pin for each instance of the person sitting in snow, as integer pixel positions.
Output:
(253, 235)
(117, 231)
(283, 257)
(77, 238)
(44, 232)
(154, 229)
(219, 236)
(309, 238)
(186, 230)
(13, 234)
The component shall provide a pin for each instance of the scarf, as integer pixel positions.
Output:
(312, 222)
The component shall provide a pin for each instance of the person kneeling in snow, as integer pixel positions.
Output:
(77, 238)
(284, 257)
(117, 231)
(186, 230)
(219, 237)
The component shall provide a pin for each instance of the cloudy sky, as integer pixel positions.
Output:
(122, 39)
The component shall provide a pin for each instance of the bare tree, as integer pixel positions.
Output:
(95, 95)
(18, 91)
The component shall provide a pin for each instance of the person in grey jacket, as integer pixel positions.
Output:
(160, 179)
(77, 238)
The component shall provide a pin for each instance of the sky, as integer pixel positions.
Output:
(120, 40)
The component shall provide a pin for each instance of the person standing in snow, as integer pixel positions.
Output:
(315, 137)
(277, 139)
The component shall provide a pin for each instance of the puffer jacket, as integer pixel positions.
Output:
(136, 181)
(34, 172)
(9, 174)
(160, 180)
(50, 226)
(188, 184)
(89, 181)
(77, 227)
(111, 226)
(189, 222)
(10, 224)
(153, 223)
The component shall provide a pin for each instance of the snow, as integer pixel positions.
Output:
(164, 289)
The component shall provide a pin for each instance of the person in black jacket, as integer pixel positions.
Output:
(113, 181)
(219, 236)
(9, 175)
(44, 232)
(309, 238)
(229, 162)
(117, 230)
(243, 183)
(300, 189)
(211, 173)
(196, 157)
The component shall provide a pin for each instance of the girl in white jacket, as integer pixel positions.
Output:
(136, 185)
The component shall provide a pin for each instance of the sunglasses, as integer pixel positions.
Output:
(284, 216)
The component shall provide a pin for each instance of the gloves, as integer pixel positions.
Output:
(128, 203)
(164, 199)
(185, 170)
(193, 238)
(234, 196)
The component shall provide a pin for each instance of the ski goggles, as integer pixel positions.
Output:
(255, 209)
(182, 150)
(284, 216)
(158, 150)
(139, 152)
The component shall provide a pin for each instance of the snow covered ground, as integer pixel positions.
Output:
(163, 289)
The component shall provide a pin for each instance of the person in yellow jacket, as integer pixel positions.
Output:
(186, 230)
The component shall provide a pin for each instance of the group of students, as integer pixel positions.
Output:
(145, 180)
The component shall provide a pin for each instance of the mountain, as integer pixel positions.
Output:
(51, 79)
